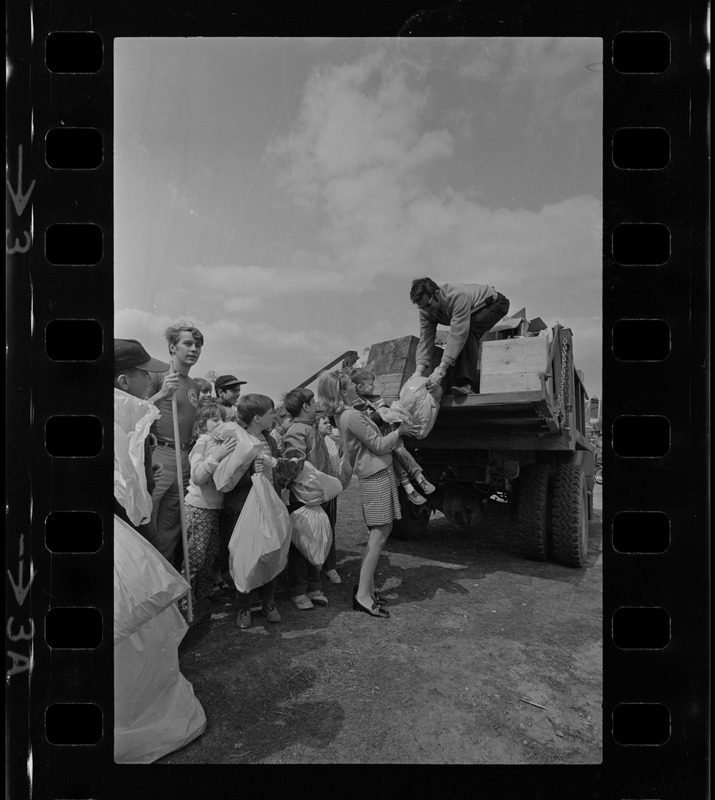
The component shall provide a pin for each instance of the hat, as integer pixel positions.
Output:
(129, 353)
(224, 381)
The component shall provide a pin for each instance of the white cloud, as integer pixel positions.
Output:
(360, 151)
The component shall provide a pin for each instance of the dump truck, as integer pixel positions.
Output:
(520, 439)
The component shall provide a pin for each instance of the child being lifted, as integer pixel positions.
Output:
(404, 463)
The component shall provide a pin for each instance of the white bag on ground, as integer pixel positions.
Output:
(232, 468)
(314, 487)
(144, 581)
(312, 534)
(420, 404)
(155, 709)
(132, 420)
(258, 549)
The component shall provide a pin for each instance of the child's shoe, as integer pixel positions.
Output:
(271, 612)
(302, 602)
(333, 577)
(425, 485)
(414, 497)
(243, 619)
(318, 598)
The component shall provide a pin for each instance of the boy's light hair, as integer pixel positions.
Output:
(330, 387)
(174, 331)
(253, 405)
(294, 399)
(362, 375)
(282, 411)
(204, 385)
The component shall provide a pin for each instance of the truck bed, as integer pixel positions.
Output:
(504, 421)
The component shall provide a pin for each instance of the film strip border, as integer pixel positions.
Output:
(59, 628)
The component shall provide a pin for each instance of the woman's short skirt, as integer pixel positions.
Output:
(380, 502)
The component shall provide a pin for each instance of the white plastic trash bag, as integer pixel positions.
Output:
(314, 487)
(333, 453)
(419, 403)
(232, 468)
(258, 549)
(144, 581)
(340, 464)
(132, 420)
(155, 708)
(312, 534)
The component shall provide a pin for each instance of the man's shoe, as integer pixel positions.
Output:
(333, 577)
(302, 602)
(243, 619)
(318, 598)
(462, 390)
(271, 612)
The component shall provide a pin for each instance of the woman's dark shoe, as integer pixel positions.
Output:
(377, 598)
(375, 611)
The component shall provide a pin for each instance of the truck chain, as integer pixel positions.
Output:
(560, 400)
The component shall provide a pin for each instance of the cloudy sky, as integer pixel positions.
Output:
(281, 194)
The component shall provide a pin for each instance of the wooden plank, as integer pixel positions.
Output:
(511, 382)
(492, 441)
(508, 356)
(502, 399)
(393, 362)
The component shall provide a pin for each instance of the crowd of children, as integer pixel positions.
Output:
(296, 432)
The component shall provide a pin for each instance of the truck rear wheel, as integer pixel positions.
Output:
(569, 516)
(415, 519)
(533, 511)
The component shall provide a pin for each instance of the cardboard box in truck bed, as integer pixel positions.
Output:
(513, 365)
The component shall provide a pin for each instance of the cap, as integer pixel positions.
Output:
(129, 353)
(224, 381)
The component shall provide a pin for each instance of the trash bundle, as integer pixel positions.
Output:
(232, 468)
(132, 420)
(314, 487)
(340, 464)
(155, 709)
(421, 405)
(312, 534)
(258, 549)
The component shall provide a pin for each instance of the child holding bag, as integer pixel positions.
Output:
(303, 441)
(255, 411)
(203, 502)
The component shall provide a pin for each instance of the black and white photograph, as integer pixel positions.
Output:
(358, 334)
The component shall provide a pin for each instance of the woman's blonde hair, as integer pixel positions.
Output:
(330, 388)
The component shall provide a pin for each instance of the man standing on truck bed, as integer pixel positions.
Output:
(470, 310)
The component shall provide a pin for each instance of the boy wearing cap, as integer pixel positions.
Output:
(228, 390)
(132, 365)
(185, 343)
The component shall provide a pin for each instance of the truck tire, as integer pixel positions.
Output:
(569, 516)
(415, 519)
(533, 511)
(598, 474)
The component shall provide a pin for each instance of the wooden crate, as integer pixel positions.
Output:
(392, 362)
(513, 365)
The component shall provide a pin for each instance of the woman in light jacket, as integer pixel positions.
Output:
(369, 454)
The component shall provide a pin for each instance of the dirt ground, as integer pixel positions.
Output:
(486, 659)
